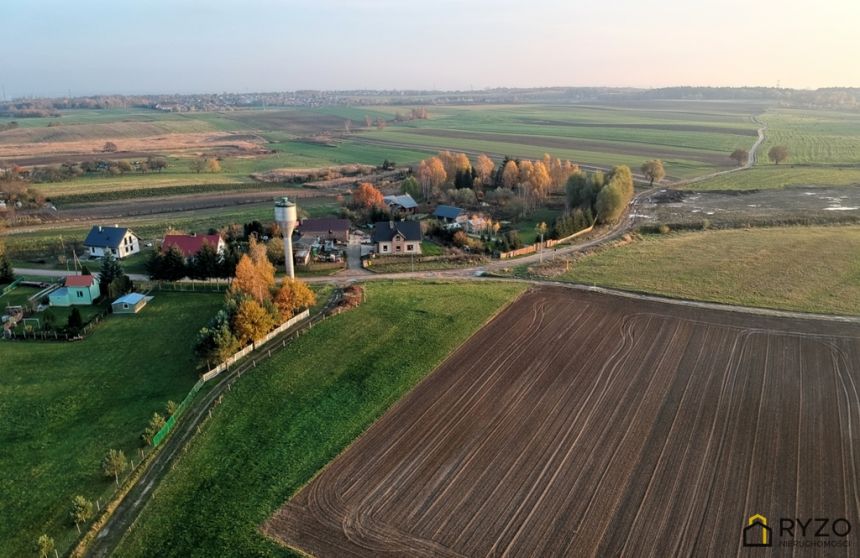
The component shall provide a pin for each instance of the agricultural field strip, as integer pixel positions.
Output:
(589, 437)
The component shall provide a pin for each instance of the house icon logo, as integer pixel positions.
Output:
(757, 533)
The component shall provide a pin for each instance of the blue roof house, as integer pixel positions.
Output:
(116, 240)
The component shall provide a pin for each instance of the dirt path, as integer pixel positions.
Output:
(134, 502)
(751, 161)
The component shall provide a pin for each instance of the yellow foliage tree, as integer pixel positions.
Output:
(431, 175)
(255, 274)
(484, 167)
(251, 321)
(510, 175)
(292, 296)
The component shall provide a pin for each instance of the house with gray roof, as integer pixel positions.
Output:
(116, 240)
(397, 238)
(403, 203)
(450, 214)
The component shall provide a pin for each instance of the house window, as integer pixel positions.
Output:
(80, 294)
(385, 247)
(397, 248)
(409, 247)
(124, 305)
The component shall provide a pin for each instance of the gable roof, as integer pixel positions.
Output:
(189, 244)
(79, 281)
(105, 237)
(403, 200)
(447, 211)
(384, 231)
(324, 225)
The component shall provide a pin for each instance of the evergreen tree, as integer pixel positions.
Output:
(110, 270)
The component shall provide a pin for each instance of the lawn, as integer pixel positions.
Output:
(63, 405)
(814, 269)
(291, 416)
(813, 136)
(773, 176)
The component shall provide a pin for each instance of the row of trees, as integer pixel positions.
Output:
(254, 305)
(534, 180)
(69, 170)
(777, 154)
(171, 264)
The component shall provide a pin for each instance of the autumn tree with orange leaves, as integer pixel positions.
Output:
(432, 175)
(366, 196)
(293, 296)
(255, 274)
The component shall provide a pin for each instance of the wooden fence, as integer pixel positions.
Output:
(235, 357)
(532, 248)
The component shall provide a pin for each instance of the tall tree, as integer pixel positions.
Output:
(81, 512)
(411, 186)
(293, 296)
(113, 464)
(366, 196)
(778, 154)
(110, 270)
(740, 156)
(484, 167)
(251, 321)
(45, 546)
(431, 174)
(653, 171)
(205, 263)
(7, 275)
(510, 174)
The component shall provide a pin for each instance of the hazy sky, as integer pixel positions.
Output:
(49, 47)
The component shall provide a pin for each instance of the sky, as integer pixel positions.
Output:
(85, 47)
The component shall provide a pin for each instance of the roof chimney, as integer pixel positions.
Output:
(100, 228)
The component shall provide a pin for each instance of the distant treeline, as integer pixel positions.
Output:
(830, 97)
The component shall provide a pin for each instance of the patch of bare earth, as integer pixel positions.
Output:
(581, 424)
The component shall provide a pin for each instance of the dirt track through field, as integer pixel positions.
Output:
(582, 424)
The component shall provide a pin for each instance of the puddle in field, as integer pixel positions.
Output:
(791, 203)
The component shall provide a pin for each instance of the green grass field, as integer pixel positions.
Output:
(773, 176)
(810, 269)
(813, 136)
(291, 416)
(63, 405)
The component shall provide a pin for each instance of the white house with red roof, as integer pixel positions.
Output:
(190, 244)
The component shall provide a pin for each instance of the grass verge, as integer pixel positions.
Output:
(809, 269)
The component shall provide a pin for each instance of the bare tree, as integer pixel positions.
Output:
(741, 156)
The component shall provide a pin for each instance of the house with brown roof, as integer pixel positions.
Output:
(190, 244)
(325, 229)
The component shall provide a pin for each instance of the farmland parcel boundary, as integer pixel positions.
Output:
(628, 450)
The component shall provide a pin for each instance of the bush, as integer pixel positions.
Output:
(664, 229)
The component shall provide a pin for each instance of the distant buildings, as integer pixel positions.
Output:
(79, 290)
(115, 240)
(397, 238)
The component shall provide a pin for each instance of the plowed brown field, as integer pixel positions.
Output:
(581, 424)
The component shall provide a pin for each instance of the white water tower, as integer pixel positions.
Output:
(285, 216)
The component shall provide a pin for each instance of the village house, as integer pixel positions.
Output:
(190, 244)
(115, 240)
(476, 223)
(450, 215)
(79, 290)
(403, 203)
(325, 229)
(397, 238)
